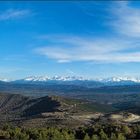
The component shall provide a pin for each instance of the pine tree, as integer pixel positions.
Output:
(86, 137)
(121, 137)
(113, 137)
(103, 135)
(126, 130)
(95, 137)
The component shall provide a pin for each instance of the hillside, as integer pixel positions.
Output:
(50, 110)
(59, 111)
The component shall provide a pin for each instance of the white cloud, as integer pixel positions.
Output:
(85, 49)
(126, 19)
(63, 61)
(13, 13)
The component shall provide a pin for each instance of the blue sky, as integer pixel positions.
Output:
(91, 39)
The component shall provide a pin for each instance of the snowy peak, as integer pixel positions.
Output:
(121, 79)
(76, 79)
(54, 78)
(67, 78)
(4, 80)
(36, 78)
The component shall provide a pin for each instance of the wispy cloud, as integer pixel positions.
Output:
(13, 14)
(126, 19)
(123, 47)
(85, 49)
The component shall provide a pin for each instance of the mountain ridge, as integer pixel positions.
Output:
(76, 80)
(72, 78)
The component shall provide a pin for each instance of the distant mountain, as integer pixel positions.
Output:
(78, 81)
(4, 80)
(54, 78)
(120, 79)
(113, 81)
(74, 80)
(59, 80)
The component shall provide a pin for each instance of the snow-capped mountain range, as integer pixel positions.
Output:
(73, 78)
(116, 80)
(120, 79)
(54, 78)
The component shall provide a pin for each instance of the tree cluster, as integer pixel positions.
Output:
(96, 132)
